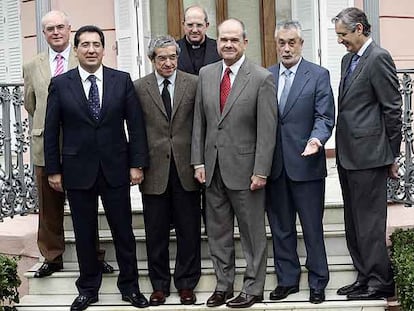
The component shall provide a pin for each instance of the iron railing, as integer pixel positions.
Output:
(17, 188)
(402, 189)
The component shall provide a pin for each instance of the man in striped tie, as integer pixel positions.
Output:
(37, 73)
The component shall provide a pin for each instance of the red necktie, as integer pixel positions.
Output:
(59, 65)
(225, 88)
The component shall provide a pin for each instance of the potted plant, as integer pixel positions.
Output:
(9, 282)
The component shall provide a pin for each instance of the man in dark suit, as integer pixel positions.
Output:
(37, 73)
(170, 194)
(297, 181)
(368, 138)
(197, 50)
(233, 140)
(91, 104)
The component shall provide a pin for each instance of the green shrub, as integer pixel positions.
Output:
(9, 282)
(402, 257)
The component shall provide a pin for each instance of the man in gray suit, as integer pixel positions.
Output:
(297, 182)
(368, 138)
(59, 58)
(170, 194)
(234, 136)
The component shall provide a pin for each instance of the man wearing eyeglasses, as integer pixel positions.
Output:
(37, 73)
(197, 50)
(170, 194)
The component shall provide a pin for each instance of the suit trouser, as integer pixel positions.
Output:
(50, 234)
(365, 211)
(182, 208)
(284, 199)
(249, 208)
(84, 208)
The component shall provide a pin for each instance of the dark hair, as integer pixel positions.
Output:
(350, 17)
(89, 28)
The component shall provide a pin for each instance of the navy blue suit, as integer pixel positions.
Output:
(297, 184)
(94, 161)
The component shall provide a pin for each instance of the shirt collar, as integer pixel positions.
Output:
(65, 53)
(293, 69)
(160, 79)
(84, 74)
(235, 67)
(364, 47)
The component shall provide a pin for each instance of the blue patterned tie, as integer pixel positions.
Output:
(285, 91)
(93, 100)
(351, 68)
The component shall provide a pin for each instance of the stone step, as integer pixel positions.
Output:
(334, 214)
(63, 282)
(334, 241)
(113, 302)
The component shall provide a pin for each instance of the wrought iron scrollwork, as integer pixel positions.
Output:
(402, 189)
(17, 187)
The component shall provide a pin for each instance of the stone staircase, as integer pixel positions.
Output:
(58, 291)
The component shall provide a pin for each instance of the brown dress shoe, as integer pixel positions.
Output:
(187, 296)
(219, 298)
(244, 300)
(158, 298)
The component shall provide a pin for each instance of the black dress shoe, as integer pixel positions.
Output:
(47, 269)
(244, 300)
(354, 287)
(187, 296)
(82, 302)
(158, 297)
(136, 299)
(281, 292)
(219, 298)
(107, 268)
(371, 293)
(317, 296)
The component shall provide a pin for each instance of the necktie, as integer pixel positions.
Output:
(351, 68)
(285, 91)
(225, 88)
(59, 65)
(93, 99)
(166, 98)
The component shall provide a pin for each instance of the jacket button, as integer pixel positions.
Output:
(168, 156)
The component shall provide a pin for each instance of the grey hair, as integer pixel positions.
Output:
(289, 24)
(161, 42)
(350, 17)
(51, 13)
(198, 7)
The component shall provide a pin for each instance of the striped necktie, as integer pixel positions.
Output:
(59, 65)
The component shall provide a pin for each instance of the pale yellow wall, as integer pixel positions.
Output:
(396, 25)
(80, 13)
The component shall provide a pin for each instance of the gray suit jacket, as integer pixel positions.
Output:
(242, 138)
(368, 132)
(36, 83)
(165, 137)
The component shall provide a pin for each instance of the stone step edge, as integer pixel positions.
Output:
(335, 263)
(330, 230)
(294, 301)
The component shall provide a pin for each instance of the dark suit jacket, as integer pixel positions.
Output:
(241, 138)
(309, 113)
(90, 144)
(210, 56)
(164, 136)
(368, 132)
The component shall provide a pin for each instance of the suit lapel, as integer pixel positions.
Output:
(180, 86)
(108, 84)
(239, 84)
(45, 67)
(153, 90)
(78, 94)
(302, 77)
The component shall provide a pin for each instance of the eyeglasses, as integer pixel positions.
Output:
(163, 58)
(51, 29)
